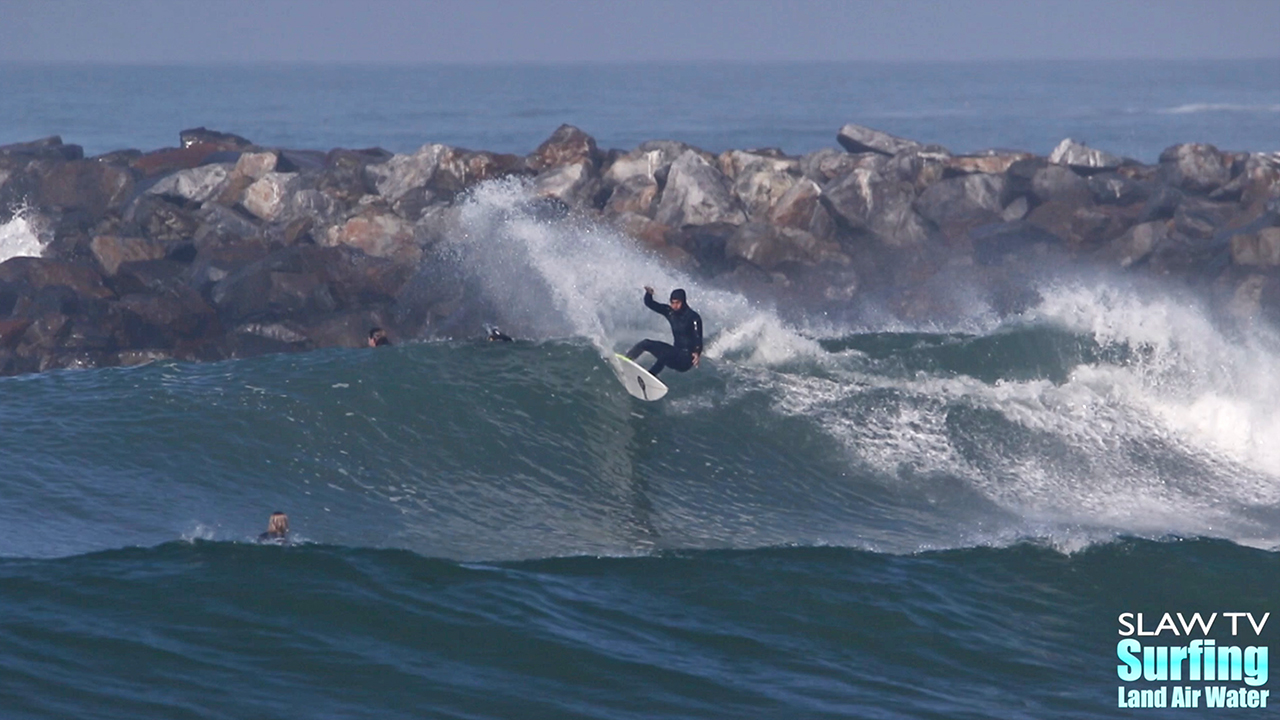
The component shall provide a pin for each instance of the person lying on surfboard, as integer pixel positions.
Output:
(686, 331)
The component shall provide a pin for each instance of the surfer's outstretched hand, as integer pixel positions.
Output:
(696, 357)
(648, 290)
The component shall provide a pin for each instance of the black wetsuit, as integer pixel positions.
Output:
(686, 331)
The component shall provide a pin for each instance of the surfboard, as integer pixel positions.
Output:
(638, 381)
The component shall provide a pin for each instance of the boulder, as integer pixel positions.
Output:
(642, 164)
(859, 139)
(921, 167)
(1082, 158)
(213, 138)
(378, 233)
(651, 159)
(402, 174)
(796, 207)
(256, 164)
(1016, 210)
(198, 185)
(220, 225)
(697, 193)
(866, 201)
(1055, 183)
(147, 276)
(732, 162)
(1081, 226)
(637, 194)
(1201, 218)
(85, 185)
(112, 250)
(827, 164)
(457, 170)
(155, 217)
(768, 247)
(568, 145)
(39, 273)
(1195, 168)
(1111, 188)
(168, 318)
(962, 203)
(1261, 248)
(167, 160)
(652, 234)
(260, 293)
(50, 148)
(760, 182)
(1136, 244)
(574, 184)
(706, 244)
(269, 197)
(992, 162)
(993, 244)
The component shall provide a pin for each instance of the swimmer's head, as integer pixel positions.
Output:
(279, 523)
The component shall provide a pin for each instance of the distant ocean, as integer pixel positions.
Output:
(848, 517)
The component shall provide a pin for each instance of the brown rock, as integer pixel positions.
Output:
(213, 138)
(378, 233)
(567, 145)
(85, 185)
(1195, 167)
(42, 272)
(1261, 248)
(168, 160)
(994, 163)
(697, 194)
(112, 250)
(796, 207)
(637, 194)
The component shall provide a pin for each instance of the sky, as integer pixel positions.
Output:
(616, 31)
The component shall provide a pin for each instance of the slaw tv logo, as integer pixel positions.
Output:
(1186, 666)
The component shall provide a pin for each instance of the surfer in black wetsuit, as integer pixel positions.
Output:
(686, 331)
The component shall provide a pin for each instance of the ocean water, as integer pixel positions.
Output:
(1131, 108)
(833, 517)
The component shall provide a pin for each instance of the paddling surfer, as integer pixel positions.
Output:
(686, 332)
(277, 529)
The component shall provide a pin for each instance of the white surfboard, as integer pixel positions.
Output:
(638, 381)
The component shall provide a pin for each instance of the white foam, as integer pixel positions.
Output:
(577, 278)
(24, 235)
(1178, 438)
(1197, 108)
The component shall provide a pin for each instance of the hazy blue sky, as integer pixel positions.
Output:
(505, 31)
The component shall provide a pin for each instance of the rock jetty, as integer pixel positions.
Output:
(222, 248)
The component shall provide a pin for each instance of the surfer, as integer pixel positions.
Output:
(686, 331)
(277, 529)
(378, 337)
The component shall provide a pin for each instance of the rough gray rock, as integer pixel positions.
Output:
(696, 193)
(1055, 183)
(574, 184)
(269, 197)
(1079, 156)
(760, 182)
(1261, 248)
(961, 203)
(402, 174)
(198, 185)
(859, 139)
(112, 250)
(866, 201)
(1194, 168)
(568, 145)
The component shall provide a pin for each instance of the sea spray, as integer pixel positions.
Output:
(24, 235)
(570, 277)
